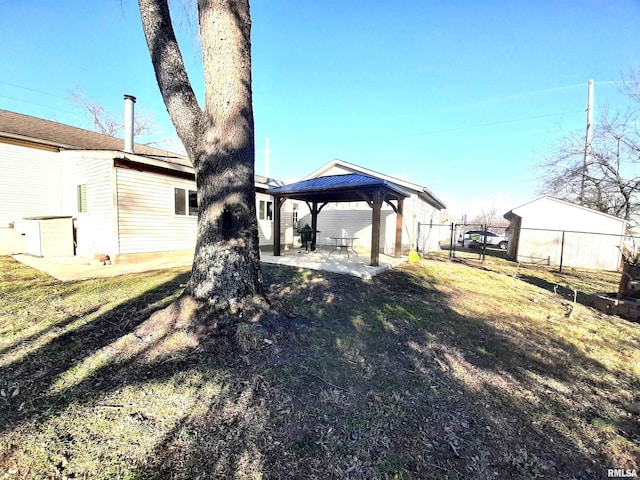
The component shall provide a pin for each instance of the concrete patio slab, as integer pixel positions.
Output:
(357, 266)
(73, 268)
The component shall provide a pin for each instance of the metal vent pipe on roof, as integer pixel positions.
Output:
(129, 101)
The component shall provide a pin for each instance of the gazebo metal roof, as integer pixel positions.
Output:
(352, 187)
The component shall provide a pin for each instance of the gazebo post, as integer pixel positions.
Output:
(277, 201)
(375, 228)
(314, 225)
(398, 251)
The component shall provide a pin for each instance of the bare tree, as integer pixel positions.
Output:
(609, 180)
(219, 139)
(490, 216)
(631, 85)
(109, 123)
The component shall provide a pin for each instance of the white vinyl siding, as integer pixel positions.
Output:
(95, 227)
(288, 235)
(337, 170)
(264, 205)
(290, 216)
(31, 181)
(354, 222)
(417, 211)
(579, 250)
(147, 221)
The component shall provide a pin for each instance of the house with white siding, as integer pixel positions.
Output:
(422, 217)
(69, 191)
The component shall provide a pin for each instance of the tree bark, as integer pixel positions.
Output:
(219, 139)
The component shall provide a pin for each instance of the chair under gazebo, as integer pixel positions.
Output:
(352, 187)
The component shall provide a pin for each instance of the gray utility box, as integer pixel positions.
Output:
(48, 236)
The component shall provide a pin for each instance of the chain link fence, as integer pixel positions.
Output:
(535, 246)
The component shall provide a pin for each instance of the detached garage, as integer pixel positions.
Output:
(555, 232)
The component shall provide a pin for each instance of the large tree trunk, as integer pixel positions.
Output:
(226, 265)
(220, 142)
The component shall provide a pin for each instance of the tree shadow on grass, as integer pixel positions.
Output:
(36, 373)
(45, 331)
(566, 293)
(362, 380)
(524, 392)
(371, 389)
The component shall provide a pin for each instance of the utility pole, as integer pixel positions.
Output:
(587, 141)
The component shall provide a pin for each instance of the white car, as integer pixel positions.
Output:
(474, 238)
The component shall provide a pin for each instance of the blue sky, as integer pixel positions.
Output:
(463, 97)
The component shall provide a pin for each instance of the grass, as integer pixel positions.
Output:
(438, 369)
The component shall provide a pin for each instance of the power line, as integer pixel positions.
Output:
(501, 122)
(57, 109)
(34, 90)
(609, 82)
(41, 105)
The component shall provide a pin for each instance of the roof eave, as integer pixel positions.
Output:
(431, 199)
(37, 141)
(146, 160)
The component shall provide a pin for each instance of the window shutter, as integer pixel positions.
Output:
(180, 201)
(82, 198)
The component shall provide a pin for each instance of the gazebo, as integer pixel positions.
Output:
(353, 187)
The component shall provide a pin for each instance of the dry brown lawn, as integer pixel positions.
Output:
(441, 370)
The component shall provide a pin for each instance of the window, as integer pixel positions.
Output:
(265, 210)
(193, 202)
(82, 198)
(295, 216)
(185, 201)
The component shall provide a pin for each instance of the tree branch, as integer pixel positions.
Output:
(171, 74)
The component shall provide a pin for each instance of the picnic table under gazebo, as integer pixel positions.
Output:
(352, 187)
